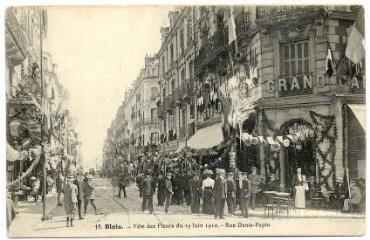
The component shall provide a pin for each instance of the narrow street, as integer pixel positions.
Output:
(119, 217)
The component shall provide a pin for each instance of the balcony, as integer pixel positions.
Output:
(169, 104)
(146, 122)
(17, 44)
(210, 50)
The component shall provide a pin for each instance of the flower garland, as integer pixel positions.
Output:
(326, 124)
(25, 174)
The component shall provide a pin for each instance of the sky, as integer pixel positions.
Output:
(99, 52)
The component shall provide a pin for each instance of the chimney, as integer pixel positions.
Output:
(164, 33)
(173, 15)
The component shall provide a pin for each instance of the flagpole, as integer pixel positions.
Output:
(44, 185)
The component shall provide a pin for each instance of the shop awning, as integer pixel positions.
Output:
(359, 110)
(11, 154)
(206, 137)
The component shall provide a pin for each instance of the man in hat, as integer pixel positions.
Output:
(187, 195)
(245, 194)
(219, 193)
(354, 199)
(89, 194)
(195, 188)
(148, 189)
(341, 192)
(231, 193)
(79, 182)
(168, 191)
(161, 189)
(255, 181)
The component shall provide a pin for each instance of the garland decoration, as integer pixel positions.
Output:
(326, 132)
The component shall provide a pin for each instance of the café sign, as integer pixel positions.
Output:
(299, 85)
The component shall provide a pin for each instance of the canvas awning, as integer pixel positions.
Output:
(359, 110)
(11, 154)
(206, 137)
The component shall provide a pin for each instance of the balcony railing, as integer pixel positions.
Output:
(13, 26)
(211, 49)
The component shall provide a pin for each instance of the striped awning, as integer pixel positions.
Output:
(359, 110)
(206, 137)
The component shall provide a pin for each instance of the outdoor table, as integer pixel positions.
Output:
(282, 200)
(268, 203)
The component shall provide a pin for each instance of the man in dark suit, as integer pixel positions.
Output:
(195, 189)
(161, 189)
(79, 182)
(123, 180)
(231, 193)
(255, 181)
(219, 193)
(148, 189)
(245, 194)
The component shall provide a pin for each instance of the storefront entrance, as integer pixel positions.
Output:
(298, 155)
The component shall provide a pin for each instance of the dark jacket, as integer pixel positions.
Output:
(231, 187)
(147, 186)
(220, 189)
(80, 188)
(245, 191)
(195, 186)
(89, 191)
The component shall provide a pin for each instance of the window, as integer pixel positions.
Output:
(163, 65)
(295, 59)
(171, 53)
(190, 30)
(164, 93)
(172, 84)
(153, 93)
(181, 40)
(182, 76)
(153, 116)
(295, 76)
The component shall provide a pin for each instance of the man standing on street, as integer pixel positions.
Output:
(123, 180)
(169, 192)
(219, 193)
(195, 189)
(255, 181)
(231, 193)
(148, 189)
(245, 194)
(89, 194)
(80, 192)
(161, 189)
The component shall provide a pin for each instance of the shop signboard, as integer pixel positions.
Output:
(303, 85)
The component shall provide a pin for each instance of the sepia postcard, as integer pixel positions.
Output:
(197, 120)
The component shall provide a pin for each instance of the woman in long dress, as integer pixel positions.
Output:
(70, 200)
(207, 188)
(299, 200)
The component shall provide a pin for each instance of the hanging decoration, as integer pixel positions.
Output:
(325, 147)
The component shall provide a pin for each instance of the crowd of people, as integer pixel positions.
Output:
(238, 191)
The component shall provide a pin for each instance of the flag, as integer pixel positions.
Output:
(355, 49)
(231, 27)
(329, 64)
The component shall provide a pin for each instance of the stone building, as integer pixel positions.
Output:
(292, 89)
